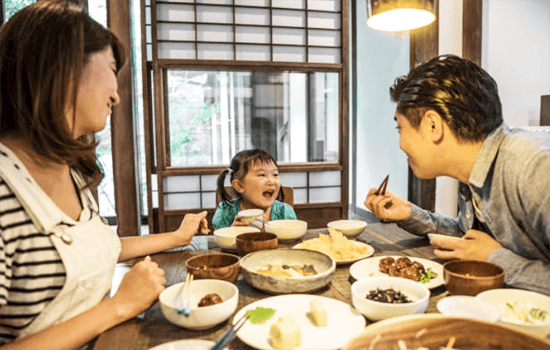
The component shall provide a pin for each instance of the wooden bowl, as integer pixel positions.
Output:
(255, 241)
(468, 277)
(434, 331)
(219, 266)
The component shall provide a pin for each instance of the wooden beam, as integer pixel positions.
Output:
(471, 30)
(122, 128)
(545, 110)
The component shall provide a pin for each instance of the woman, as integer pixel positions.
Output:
(58, 84)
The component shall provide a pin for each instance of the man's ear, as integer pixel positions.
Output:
(237, 186)
(434, 126)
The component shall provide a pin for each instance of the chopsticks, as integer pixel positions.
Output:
(230, 333)
(382, 189)
(186, 309)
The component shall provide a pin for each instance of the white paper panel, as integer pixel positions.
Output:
(324, 195)
(257, 35)
(289, 36)
(148, 15)
(176, 31)
(181, 183)
(209, 182)
(215, 52)
(155, 199)
(211, 14)
(209, 200)
(184, 51)
(216, 2)
(293, 179)
(322, 55)
(178, 201)
(258, 3)
(289, 54)
(289, 4)
(300, 196)
(252, 16)
(289, 18)
(324, 20)
(154, 183)
(324, 38)
(147, 2)
(187, 1)
(324, 5)
(253, 53)
(148, 34)
(324, 178)
(214, 33)
(149, 52)
(175, 13)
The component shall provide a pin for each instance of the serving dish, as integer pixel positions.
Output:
(343, 322)
(370, 268)
(186, 344)
(469, 307)
(435, 330)
(368, 252)
(323, 264)
(350, 228)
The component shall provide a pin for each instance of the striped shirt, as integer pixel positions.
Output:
(31, 271)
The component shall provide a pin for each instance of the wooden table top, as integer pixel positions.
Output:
(152, 329)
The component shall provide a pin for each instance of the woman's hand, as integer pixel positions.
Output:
(475, 245)
(389, 206)
(190, 226)
(139, 288)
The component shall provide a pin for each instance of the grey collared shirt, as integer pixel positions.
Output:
(510, 184)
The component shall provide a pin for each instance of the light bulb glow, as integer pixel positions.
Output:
(400, 19)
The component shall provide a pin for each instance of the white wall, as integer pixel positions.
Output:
(381, 57)
(516, 52)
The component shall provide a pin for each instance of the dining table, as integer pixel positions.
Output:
(151, 328)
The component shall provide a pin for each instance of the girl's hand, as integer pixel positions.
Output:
(389, 206)
(238, 221)
(190, 226)
(139, 288)
(476, 245)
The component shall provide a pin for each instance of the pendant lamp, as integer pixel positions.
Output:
(399, 15)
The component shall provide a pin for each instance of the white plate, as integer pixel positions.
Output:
(468, 306)
(343, 322)
(186, 344)
(368, 252)
(369, 268)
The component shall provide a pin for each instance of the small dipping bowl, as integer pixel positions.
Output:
(468, 277)
(250, 215)
(219, 266)
(255, 241)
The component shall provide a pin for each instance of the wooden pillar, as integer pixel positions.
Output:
(545, 110)
(471, 30)
(122, 128)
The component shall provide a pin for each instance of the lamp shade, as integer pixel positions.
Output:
(399, 15)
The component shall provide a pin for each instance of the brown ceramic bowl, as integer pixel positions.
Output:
(255, 241)
(467, 277)
(219, 266)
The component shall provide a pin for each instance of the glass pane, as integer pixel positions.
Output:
(212, 115)
(12, 6)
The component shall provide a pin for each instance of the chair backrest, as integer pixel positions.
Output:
(287, 191)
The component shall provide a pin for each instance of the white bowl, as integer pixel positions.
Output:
(375, 310)
(225, 237)
(203, 317)
(503, 296)
(469, 307)
(250, 214)
(350, 228)
(440, 236)
(287, 230)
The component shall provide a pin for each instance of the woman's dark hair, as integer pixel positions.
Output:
(460, 91)
(240, 164)
(43, 51)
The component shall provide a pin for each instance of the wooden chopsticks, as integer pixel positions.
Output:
(382, 189)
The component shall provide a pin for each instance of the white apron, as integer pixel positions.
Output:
(88, 248)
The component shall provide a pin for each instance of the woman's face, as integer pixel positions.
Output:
(260, 186)
(96, 95)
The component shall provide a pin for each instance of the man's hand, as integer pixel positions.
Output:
(475, 245)
(389, 206)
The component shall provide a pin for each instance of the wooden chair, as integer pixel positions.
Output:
(287, 191)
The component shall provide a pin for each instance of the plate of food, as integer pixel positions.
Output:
(300, 321)
(338, 246)
(427, 272)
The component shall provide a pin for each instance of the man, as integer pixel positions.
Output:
(449, 118)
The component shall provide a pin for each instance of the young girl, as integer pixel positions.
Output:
(254, 177)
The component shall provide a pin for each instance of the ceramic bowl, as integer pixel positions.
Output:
(433, 331)
(220, 266)
(468, 277)
(376, 310)
(250, 215)
(225, 237)
(255, 241)
(440, 236)
(468, 306)
(201, 317)
(350, 228)
(520, 303)
(287, 230)
(323, 264)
